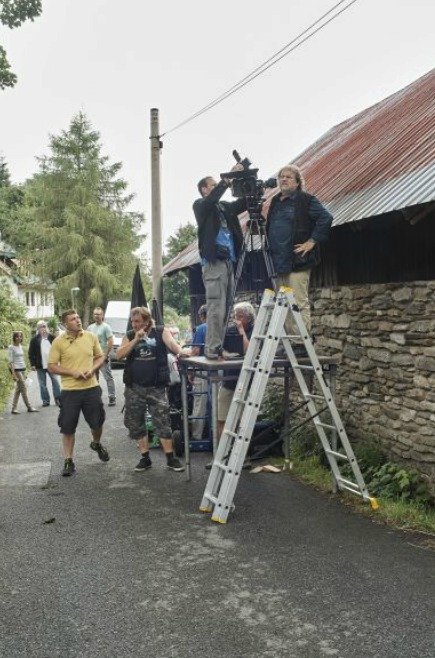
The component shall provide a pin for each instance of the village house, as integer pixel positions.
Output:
(38, 298)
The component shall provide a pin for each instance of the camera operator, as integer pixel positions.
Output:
(296, 223)
(219, 239)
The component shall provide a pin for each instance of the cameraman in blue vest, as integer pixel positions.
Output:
(146, 375)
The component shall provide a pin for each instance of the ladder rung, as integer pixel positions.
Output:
(239, 400)
(249, 368)
(326, 425)
(339, 455)
(358, 492)
(230, 433)
(260, 336)
(348, 483)
(298, 367)
(314, 397)
(210, 497)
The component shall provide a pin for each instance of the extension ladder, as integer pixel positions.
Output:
(268, 334)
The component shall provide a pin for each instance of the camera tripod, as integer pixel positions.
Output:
(256, 227)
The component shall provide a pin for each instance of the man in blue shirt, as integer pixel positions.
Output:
(296, 223)
(220, 240)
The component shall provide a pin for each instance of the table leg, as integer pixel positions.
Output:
(185, 422)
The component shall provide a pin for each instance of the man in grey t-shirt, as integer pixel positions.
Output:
(104, 334)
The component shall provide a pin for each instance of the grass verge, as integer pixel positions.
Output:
(404, 515)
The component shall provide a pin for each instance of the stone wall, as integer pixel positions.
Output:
(384, 335)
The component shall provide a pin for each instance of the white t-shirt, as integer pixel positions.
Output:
(45, 349)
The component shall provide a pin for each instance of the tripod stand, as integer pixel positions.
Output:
(256, 227)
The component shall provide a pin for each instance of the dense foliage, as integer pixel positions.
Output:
(176, 287)
(72, 225)
(12, 14)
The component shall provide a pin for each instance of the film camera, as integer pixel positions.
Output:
(246, 183)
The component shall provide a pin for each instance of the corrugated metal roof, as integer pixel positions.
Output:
(380, 160)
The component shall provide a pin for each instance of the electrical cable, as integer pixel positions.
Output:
(267, 64)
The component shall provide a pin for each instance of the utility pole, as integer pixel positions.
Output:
(156, 210)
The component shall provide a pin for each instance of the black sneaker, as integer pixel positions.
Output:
(45, 404)
(175, 465)
(68, 468)
(144, 464)
(112, 402)
(57, 402)
(102, 452)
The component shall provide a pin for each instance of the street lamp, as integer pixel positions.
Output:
(73, 290)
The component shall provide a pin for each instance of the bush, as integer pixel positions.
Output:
(395, 482)
(12, 314)
(6, 381)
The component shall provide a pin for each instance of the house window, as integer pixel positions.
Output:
(30, 299)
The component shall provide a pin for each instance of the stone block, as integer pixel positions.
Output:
(402, 359)
(398, 338)
(379, 355)
(425, 363)
(365, 364)
(402, 295)
(407, 415)
(371, 342)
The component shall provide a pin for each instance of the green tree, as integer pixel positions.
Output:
(5, 177)
(176, 287)
(12, 14)
(12, 315)
(77, 231)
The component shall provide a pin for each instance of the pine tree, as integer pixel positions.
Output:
(79, 233)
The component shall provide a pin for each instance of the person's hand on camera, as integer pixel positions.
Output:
(236, 167)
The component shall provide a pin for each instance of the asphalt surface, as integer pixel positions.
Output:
(112, 563)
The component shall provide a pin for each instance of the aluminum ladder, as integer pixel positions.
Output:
(268, 334)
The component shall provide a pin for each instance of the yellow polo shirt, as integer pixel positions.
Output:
(75, 353)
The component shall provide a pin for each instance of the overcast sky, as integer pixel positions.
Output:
(115, 60)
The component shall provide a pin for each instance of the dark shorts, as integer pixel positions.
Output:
(139, 399)
(73, 402)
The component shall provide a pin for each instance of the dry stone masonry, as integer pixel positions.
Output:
(384, 335)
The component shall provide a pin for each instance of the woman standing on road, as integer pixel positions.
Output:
(17, 366)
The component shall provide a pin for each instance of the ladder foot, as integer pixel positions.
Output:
(374, 503)
(205, 509)
(217, 519)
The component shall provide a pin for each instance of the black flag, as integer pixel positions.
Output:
(137, 293)
(156, 313)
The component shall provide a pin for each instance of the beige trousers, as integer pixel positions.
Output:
(20, 389)
(299, 281)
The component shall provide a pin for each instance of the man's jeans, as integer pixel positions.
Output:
(42, 381)
(106, 371)
(218, 280)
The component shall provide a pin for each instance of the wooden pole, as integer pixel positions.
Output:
(156, 210)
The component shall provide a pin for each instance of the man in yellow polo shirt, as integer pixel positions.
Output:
(76, 356)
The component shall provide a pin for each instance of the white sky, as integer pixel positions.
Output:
(115, 60)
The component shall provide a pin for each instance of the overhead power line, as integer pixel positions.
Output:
(267, 64)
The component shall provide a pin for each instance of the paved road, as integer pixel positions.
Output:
(129, 567)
